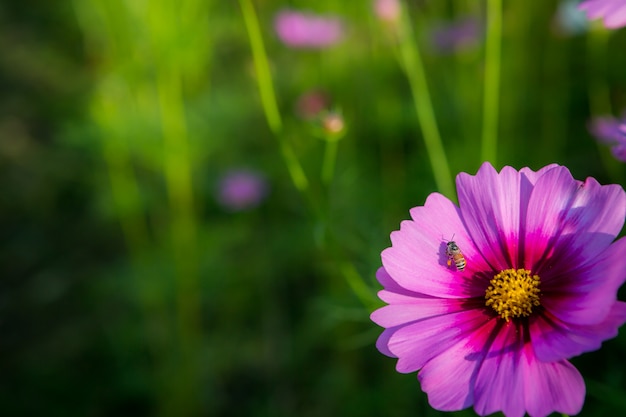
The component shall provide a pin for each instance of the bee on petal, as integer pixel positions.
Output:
(454, 255)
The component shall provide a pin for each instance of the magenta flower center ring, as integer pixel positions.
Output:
(513, 293)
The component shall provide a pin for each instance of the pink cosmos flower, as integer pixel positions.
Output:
(461, 34)
(539, 286)
(387, 10)
(312, 103)
(241, 190)
(612, 11)
(307, 30)
(612, 131)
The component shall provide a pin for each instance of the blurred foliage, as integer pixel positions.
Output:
(128, 290)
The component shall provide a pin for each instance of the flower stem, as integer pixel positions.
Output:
(491, 95)
(414, 69)
(600, 96)
(330, 157)
(268, 96)
(358, 285)
(177, 172)
(272, 114)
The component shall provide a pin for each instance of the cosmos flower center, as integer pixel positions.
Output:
(513, 293)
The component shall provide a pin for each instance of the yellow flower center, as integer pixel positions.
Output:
(513, 293)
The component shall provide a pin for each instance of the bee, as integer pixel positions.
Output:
(454, 254)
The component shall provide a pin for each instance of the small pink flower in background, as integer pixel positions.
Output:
(612, 131)
(538, 285)
(311, 104)
(241, 189)
(333, 124)
(307, 30)
(464, 33)
(387, 10)
(613, 12)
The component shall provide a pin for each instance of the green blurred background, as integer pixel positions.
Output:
(129, 290)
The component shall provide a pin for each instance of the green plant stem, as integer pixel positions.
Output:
(272, 114)
(178, 176)
(166, 24)
(358, 285)
(600, 96)
(268, 96)
(125, 188)
(491, 95)
(330, 157)
(178, 179)
(414, 69)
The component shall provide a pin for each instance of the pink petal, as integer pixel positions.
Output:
(418, 342)
(617, 17)
(382, 343)
(391, 297)
(446, 379)
(554, 340)
(391, 285)
(549, 387)
(417, 259)
(613, 11)
(513, 381)
(499, 384)
(597, 8)
(531, 176)
(419, 309)
(552, 197)
(619, 152)
(493, 207)
(585, 296)
(605, 129)
(569, 222)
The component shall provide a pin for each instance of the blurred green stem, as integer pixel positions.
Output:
(330, 157)
(600, 95)
(414, 69)
(268, 96)
(178, 176)
(124, 185)
(358, 285)
(138, 51)
(491, 95)
(272, 114)
(164, 24)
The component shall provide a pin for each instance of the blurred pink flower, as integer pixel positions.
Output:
(241, 189)
(387, 10)
(611, 131)
(307, 30)
(463, 33)
(311, 104)
(613, 12)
